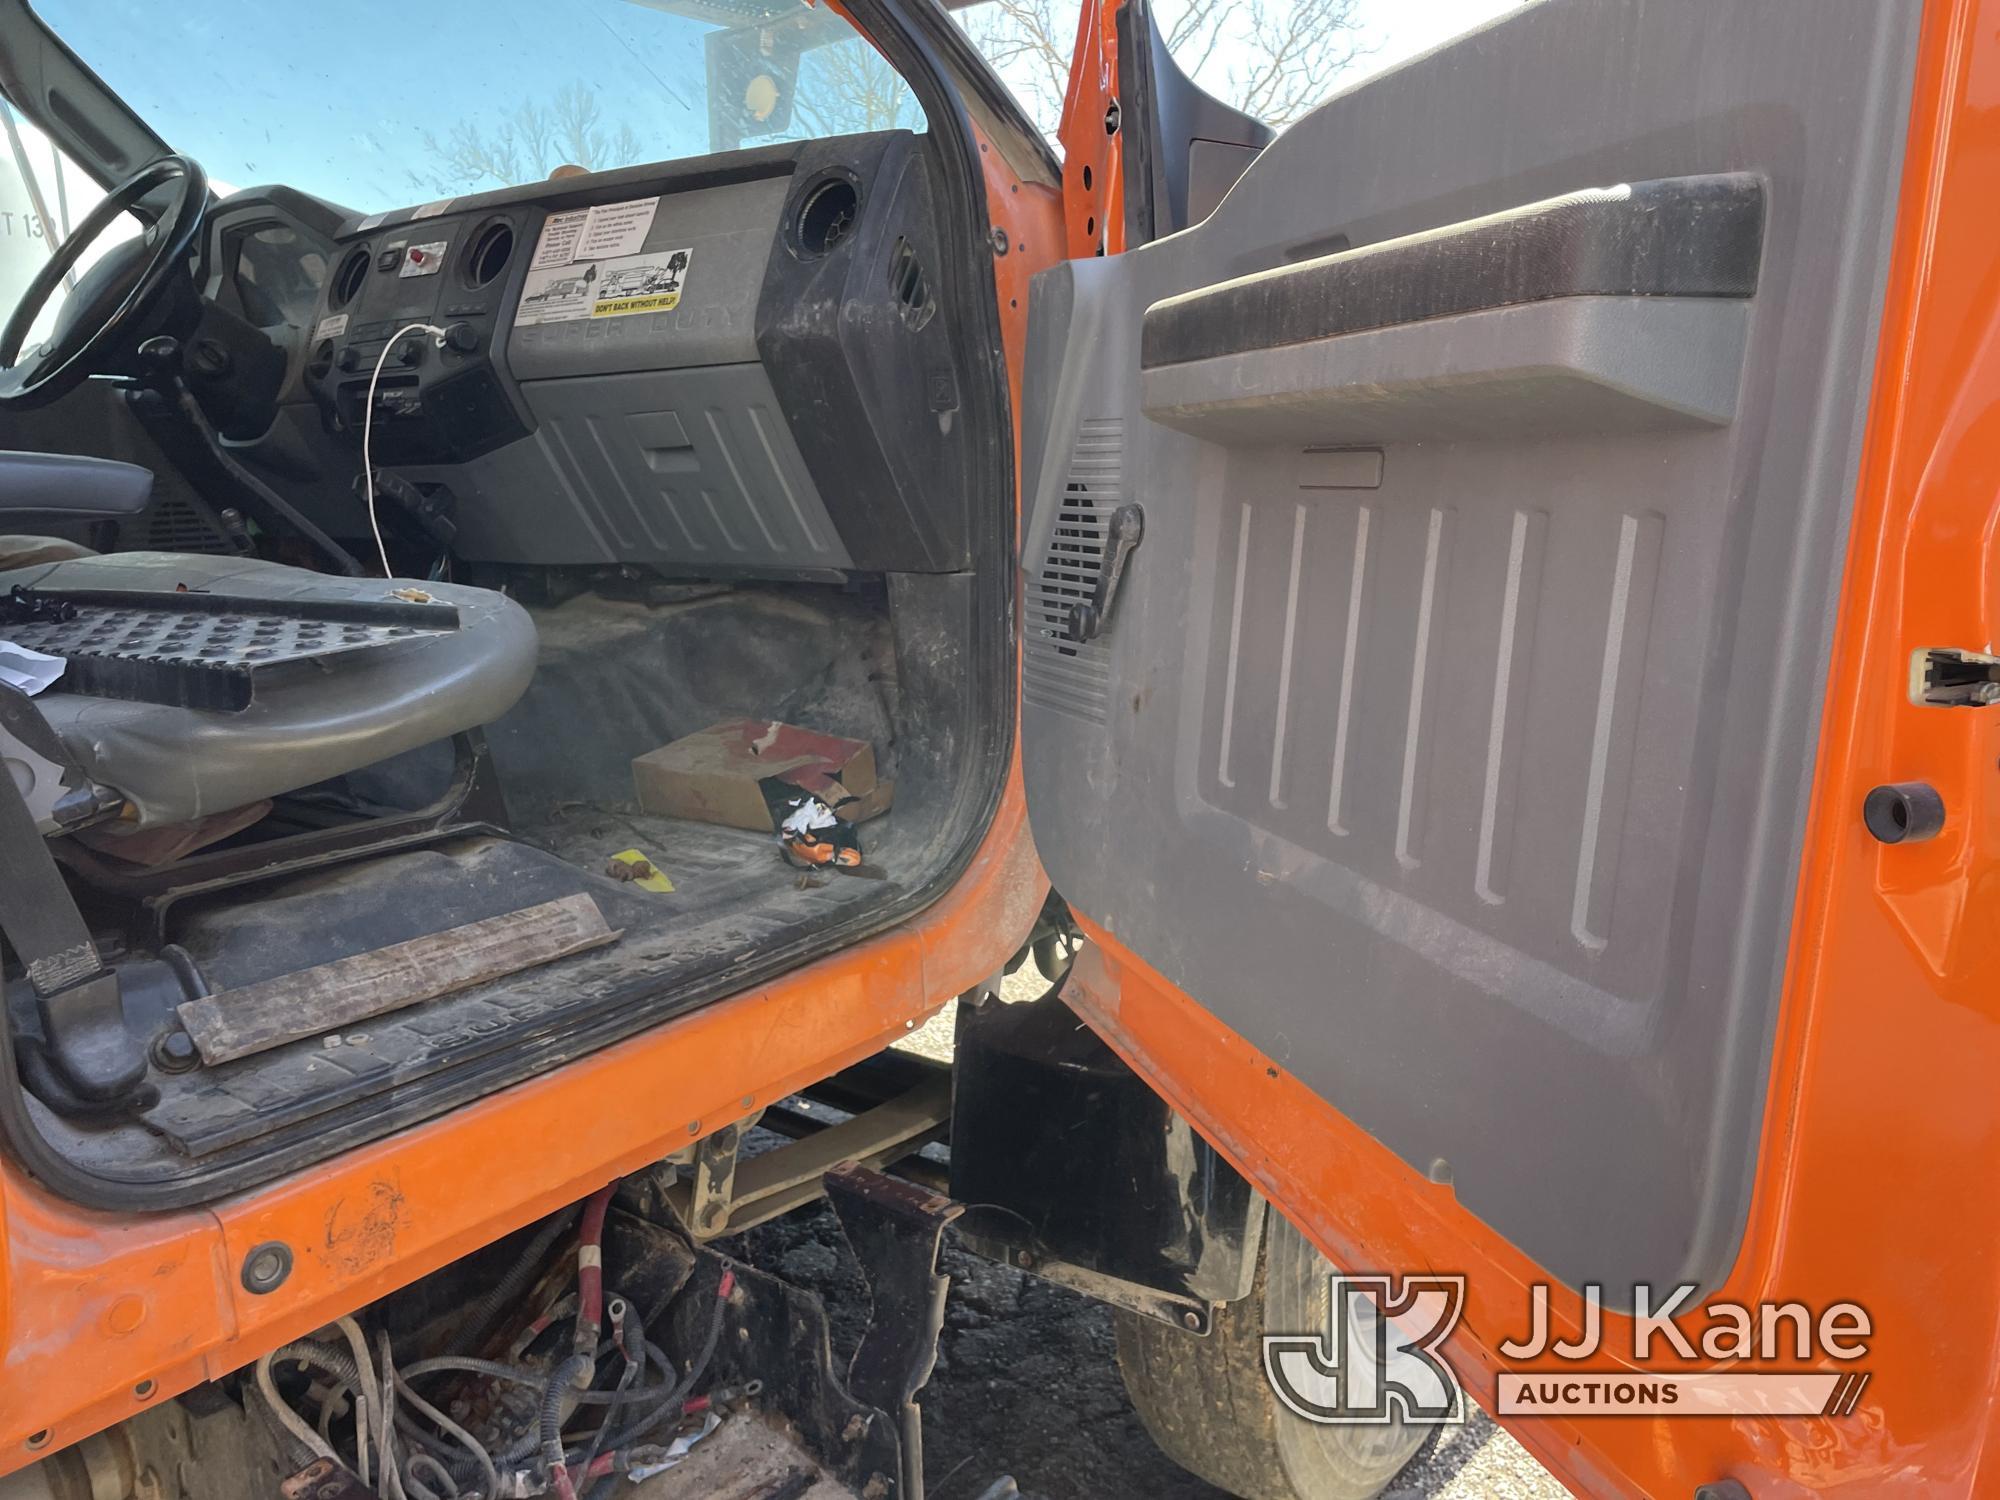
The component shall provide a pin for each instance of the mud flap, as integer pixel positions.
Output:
(894, 1228)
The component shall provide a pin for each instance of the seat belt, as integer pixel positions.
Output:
(83, 1018)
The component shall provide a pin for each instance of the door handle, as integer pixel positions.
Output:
(1088, 619)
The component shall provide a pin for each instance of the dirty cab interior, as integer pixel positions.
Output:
(603, 534)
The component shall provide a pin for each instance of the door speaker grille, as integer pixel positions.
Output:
(1074, 677)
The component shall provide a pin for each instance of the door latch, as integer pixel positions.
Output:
(1089, 618)
(1954, 679)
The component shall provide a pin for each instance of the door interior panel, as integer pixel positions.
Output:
(1450, 732)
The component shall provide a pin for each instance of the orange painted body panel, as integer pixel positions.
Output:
(1881, 1141)
(1031, 217)
(1093, 150)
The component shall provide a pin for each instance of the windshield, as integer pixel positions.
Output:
(378, 104)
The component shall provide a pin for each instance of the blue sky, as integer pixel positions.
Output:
(338, 98)
(357, 101)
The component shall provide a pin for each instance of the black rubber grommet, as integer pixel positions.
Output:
(266, 1267)
(1904, 812)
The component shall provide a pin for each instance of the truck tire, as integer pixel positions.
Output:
(1207, 1404)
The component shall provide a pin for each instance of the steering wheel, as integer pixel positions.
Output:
(99, 317)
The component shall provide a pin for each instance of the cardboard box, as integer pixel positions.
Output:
(740, 773)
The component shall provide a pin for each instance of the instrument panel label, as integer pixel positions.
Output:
(642, 283)
(613, 288)
(606, 232)
(587, 264)
(424, 260)
(560, 233)
(615, 229)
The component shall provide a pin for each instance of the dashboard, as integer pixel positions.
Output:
(731, 365)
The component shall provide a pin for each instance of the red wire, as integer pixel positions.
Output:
(589, 1299)
(590, 1269)
(593, 1229)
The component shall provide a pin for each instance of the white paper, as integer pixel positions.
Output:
(28, 671)
(432, 210)
(615, 229)
(605, 232)
(557, 246)
(677, 1450)
(809, 816)
(331, 327)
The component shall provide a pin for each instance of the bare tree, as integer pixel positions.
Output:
(1274, 59)
(1029, 44)
(528, 142)
(849, 87)
(1298, 49)
(580, 136)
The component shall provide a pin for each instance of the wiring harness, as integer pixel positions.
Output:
(400, 1441)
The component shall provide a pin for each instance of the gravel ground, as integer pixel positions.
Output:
(1027, 1378)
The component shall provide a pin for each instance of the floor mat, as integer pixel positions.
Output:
(732, 896)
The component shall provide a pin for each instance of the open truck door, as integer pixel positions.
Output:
(1442, 707)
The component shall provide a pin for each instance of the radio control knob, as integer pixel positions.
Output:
(463, 337)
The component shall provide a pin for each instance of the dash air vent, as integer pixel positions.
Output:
(826, 216)
(491, 249)
(911, 287)
(347, 278)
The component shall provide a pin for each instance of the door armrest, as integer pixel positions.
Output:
(62, 487)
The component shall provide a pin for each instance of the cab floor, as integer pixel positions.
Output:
(734, 898)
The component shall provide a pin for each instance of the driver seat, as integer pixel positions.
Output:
(136, 709)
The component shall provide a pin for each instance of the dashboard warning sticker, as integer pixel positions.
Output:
(642, 283)
(604, 289)
(331, 327)
(424, 260)
(556, 294)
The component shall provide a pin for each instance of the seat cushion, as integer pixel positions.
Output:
(173, 764)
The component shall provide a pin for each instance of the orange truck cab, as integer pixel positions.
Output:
(537, 642)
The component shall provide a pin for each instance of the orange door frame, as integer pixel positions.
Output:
(1093, 138)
